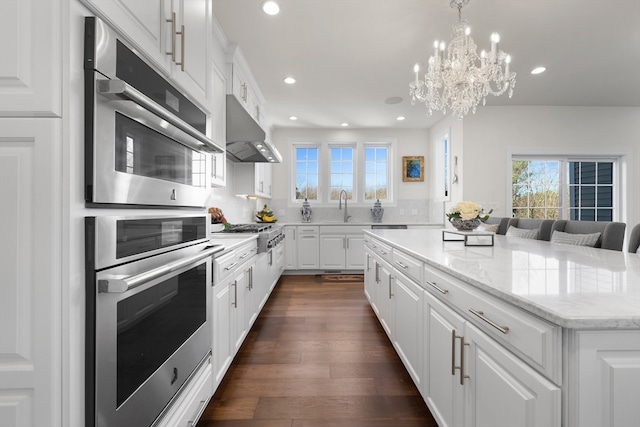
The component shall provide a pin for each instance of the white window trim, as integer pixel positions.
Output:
(618, 183)
(324, 178)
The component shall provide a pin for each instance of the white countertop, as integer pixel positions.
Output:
(571, 286)
(231, 241)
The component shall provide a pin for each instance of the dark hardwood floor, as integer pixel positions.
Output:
(317, 357)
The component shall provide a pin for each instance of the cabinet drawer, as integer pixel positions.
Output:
(407, 264)
(383, 250)
(224, 266)
(245, 252)
(535, 340)
(308, 229)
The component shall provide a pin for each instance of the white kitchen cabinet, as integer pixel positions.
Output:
(308, 247)
(341, 247)
(30, 39)
(174, 35)
(607, 378)
(290, 247)
(31, 251)
(385, 305)
(218, 126)
(442, 388)
(241, 84)
(253, 179)
(502, 389)
(370, 286)
(406, 300)
(222, 354)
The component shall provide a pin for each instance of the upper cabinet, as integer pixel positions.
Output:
(31, 39)
(174, 35)
(218, 125)
(241, 84)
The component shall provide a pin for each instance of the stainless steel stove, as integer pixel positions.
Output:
(269, 234)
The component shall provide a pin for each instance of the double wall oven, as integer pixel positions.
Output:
(146, 143)
(149, 282)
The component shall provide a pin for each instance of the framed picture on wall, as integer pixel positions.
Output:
(412, 168)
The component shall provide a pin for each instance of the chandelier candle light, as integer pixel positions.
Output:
(457, 78)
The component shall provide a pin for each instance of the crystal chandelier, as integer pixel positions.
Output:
(457, 78)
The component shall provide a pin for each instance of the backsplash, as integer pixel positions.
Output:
(406, 211)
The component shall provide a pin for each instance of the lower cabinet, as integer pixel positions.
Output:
(341, 251)
(308, 251)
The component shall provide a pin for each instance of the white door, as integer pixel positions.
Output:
(385, 292)
(31, 250)
(503, 391)
(308, 252)
(221, 330)
(407, 338)
(290, 248)
(441, 355)
(355, 252)
(332, 251)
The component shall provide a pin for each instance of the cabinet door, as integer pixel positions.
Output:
(406, 298)
(503, 391)
(239, 309)
(441, 355)
(332, 251)
(30, 40)
(189, 68)
(308, 252)
(31, 249)
(290, 248)
(221, 330)
(385, 293)
(370, 286)
(218, 126)
(355, 252)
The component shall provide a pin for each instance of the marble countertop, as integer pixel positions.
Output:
(230, 241)
(571, 286)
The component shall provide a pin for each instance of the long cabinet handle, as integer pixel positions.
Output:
(390, 293)
(231, 266)
(182, 44)
(121, 89)
(368, 262)
(235, 293)
(454, 337)
(173, 37)
(480, 314)
(377, 272)
(436, 287)
(401, 264)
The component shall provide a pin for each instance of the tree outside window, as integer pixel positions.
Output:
(306, 173)
(563, 189)
(375, 173)
(341, 165)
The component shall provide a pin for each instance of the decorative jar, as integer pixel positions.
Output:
(306, 211)
(377, 211)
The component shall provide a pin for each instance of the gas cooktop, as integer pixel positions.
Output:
(247, 228)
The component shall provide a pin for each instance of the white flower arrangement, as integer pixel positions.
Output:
(468, 211)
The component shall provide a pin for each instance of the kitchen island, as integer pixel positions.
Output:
(523, 332)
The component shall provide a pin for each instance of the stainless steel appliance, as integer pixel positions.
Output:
(148, 309)
(269, 235)
(146, 143)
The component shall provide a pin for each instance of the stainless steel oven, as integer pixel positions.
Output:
(146, 143)
(149, 282)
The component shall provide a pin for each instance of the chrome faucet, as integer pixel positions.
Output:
(346, 217)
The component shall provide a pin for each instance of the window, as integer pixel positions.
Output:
(375, 173)
(306, 173)
(563, 189)
(323, 170)
(341, 162)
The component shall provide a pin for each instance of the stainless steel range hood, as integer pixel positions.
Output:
(246, 141)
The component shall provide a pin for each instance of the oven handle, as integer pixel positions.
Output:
(123, 90)
(121, 284)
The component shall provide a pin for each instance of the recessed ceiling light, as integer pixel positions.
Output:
(393, 100)
(289, 80)
(293, 118)
(400, 118)
(345, 124)
(538, 70)
(270, 7)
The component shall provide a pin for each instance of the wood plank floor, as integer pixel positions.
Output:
(317, 357)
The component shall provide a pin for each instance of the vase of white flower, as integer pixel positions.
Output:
(467, 216)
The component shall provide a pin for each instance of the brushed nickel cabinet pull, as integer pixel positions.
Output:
(377, 272)
(182, 44)
(454, 337)
(453, 351)
(235, 294)
(402, 265)
(480, 314)
(173, 37)
(390, 293)
(437, 288)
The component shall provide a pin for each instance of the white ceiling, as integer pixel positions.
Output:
(349, 56)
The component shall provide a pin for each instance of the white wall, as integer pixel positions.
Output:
(412, 198)
(494, 133)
